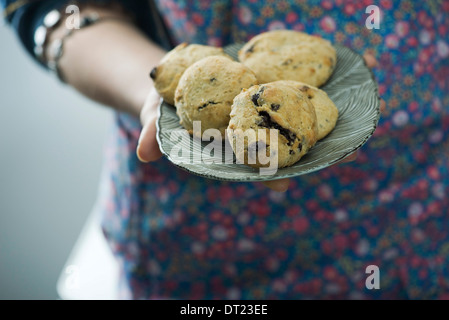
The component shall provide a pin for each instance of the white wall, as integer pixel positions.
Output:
(51, 143)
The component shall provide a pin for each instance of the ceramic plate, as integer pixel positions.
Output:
(352, 88)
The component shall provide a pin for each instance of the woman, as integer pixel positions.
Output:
(184, 237)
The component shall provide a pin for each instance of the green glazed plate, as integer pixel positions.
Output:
(351, 87)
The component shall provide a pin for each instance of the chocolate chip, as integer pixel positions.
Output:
(206, 104)
(275, 106)
(153, 73)
(300, 147)
(253, 148)
(213, 79)
(292, 152)
(255, 98)
(266, 122)
(250, 49)
(305, 89)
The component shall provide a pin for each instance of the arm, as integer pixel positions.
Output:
(109, 62)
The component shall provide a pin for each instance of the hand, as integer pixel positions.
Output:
(148, 148)
(281, 185)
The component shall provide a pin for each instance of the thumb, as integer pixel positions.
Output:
(148, 147)
(280, 185)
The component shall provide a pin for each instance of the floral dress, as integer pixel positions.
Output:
(180, 236)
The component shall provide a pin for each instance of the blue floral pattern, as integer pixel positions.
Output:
(180, 236)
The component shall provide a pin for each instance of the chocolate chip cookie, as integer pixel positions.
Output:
(289, 55)
(325, 109)
(206, 91)
(277, 106)
(170, 69)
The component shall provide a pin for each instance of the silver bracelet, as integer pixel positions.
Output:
(56, 48)
(50, 22)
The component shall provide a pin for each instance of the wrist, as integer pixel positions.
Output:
(64, 28)
(150, 107)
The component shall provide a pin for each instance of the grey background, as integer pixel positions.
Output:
(51, 145)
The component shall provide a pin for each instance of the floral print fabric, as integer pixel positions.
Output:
(180, 236)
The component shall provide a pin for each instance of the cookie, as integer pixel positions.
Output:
(170, 69)
(206, 91)
(289, 55)
(277, 106)
(325, 109)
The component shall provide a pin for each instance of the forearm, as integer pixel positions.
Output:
(109, 62)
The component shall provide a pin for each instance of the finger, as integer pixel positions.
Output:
(383, 106)
(280, 185)
(150, 107)
(370, 60)
(148, 148)
(350, 158)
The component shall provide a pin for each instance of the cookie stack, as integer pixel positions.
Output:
(273, 87)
